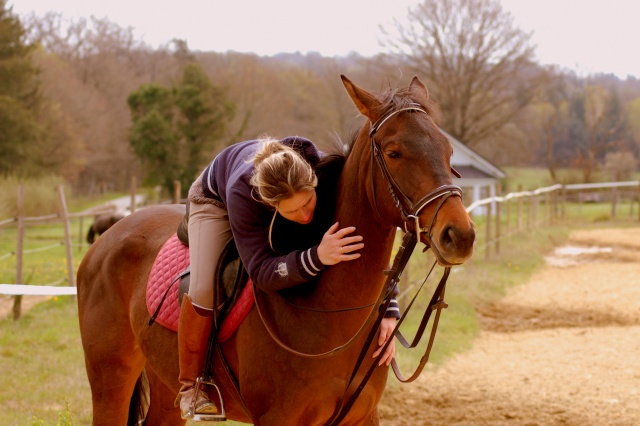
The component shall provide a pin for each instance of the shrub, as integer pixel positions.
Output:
(40, 195)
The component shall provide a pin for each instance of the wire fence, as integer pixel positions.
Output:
(58, 272)
(497, 218)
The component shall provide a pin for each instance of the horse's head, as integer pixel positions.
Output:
(410, 184)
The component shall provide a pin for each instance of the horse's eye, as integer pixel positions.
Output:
(393, 154)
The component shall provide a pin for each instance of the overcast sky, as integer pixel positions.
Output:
(587, 36)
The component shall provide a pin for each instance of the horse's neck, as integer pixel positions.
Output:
(360, 280)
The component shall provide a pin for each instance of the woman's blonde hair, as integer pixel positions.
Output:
(280, 172)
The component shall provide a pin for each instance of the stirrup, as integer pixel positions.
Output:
(220, 416)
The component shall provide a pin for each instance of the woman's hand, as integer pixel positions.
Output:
(336, 247)
(386, 328)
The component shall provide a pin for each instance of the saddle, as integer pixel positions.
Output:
(169, 280)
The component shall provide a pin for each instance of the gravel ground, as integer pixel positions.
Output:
(563, 349)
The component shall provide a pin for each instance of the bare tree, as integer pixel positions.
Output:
(595, 101)
(479, 66)
(605, 120)
(548, 125)
(634, 120)
(620, 165)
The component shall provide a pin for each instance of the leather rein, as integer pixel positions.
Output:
(409, 212)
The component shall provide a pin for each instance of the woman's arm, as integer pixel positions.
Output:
(249, 222)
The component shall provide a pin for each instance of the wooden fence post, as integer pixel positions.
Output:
(132, 207)
(638, 201)
(176, 192)
(488, 244)
(17, 300)
(507, 207)
(530, 218)
(520, 220)
(580, 201)
(81, 233)
(498, 211)
(64, 213)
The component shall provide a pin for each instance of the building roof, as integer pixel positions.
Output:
(473, 164)
(471, 172)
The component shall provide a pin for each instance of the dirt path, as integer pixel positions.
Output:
(28, 302)
(564, 349)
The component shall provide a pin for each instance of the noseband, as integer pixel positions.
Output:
(412, 210)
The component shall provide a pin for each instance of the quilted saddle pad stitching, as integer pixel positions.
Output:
(171, 261)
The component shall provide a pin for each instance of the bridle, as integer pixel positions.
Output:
(408, 209)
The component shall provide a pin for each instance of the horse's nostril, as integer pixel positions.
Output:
(447, 238)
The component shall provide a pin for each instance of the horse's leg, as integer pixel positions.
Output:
(113, 371)
(161, 409)
(113, 359)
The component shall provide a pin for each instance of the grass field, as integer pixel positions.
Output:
(42, 367)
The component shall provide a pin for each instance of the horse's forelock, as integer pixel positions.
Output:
(394, 99)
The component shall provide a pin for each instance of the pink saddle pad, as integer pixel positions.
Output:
(172, 260)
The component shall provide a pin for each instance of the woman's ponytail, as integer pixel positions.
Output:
(280, 172)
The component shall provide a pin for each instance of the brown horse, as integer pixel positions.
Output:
(399, 147)
(101, 224)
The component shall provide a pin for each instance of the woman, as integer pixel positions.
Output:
(240, 195)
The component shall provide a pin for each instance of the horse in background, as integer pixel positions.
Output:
(100, 224)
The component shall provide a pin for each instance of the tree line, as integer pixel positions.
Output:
(85, 100)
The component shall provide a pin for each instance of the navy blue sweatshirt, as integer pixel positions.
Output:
(227, 179)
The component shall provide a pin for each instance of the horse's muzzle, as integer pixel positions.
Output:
(453, 245)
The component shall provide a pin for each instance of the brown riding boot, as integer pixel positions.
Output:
(193, 337)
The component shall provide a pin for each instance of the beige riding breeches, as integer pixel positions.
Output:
(209, 231)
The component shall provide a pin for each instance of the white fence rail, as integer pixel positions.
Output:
(546, 205)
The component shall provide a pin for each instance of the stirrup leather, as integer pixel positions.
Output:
(219, 417)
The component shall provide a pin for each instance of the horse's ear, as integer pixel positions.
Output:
(418, 88)
(363, 100)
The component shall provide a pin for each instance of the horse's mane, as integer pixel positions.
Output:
(398, 98)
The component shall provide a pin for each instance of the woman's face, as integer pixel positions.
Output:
(299, 207)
